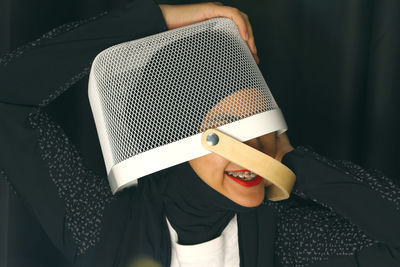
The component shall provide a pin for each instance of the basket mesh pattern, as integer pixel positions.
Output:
(169, 86)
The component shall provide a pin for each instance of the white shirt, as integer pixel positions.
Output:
(222, 251)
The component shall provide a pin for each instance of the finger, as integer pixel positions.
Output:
(250, 42)
(232, 13)
(257, 59)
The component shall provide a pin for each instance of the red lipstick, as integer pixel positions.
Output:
(243, 182)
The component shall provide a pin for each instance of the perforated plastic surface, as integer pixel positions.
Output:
(166, 87)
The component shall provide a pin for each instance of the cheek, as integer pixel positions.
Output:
(210, 169)
(268, 142)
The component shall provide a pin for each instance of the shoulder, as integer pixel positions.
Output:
(309, 232)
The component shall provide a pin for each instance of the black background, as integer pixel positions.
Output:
(332, 65)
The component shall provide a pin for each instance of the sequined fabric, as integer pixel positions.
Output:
(7, 58)
(309, 231)
(387, 188)
(76, 78)
(9, 184)
(85, 194)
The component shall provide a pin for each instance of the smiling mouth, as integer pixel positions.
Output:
(244, 177)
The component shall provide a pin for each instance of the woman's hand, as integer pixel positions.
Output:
(180, 15)
(283, 146)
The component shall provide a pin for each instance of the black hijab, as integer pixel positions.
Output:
(198, 213)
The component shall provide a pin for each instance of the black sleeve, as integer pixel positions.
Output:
(36, 156)
(30, 75)
(367, 199)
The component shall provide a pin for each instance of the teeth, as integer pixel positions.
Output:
(247, 176)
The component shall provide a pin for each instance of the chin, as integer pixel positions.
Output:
(247, 197)
(250, 202)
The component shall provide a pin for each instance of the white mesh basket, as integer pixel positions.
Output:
(152, 98)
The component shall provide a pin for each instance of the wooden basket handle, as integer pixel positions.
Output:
(281, 177)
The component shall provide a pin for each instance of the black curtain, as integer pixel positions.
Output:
(333, 67)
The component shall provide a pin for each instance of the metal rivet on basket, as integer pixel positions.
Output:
(212, 139)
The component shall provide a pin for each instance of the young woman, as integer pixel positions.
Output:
(338, 214)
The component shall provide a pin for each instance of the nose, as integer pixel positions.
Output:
(265, 144)
(255, 143)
